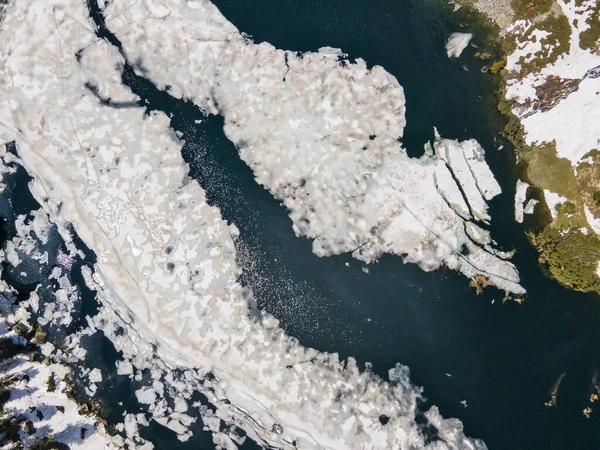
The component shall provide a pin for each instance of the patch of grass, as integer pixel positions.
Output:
(566, 209)
(483, 55)
(548, 171)
(588, 179)
(570, 256)
(479, 282)
(592, 154)
(10, 427)
(528, 9)
(28, 427)
(589, 38)
(557, 43)
(39, 336)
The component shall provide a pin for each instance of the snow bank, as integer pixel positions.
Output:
(592, 220)
(322, 136)
(119, 178)
(520, 195)
(456, 44)
(553, 200)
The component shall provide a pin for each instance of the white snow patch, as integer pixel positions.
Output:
(95, 376)
(574, 123)
(552, 200)
(592, 220)
(530, 206)
(520, 195)
(456, 44)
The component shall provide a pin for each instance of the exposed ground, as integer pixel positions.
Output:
(549, 75)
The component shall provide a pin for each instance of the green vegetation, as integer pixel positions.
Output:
(566, 252)
(566, 209)
(570, 256)
(588, 179)
(483, 55)
(548, 171)
(39, 336)
(513, 130)
(497, 66)
(10, 428)
(528, 9)
(28, 427)
(557, 43)
(597, 199)
(589, 39)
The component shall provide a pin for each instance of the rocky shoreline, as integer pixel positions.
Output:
(550, 94)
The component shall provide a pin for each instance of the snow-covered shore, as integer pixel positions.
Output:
(552, 97)
(38, 398)
(570, 114)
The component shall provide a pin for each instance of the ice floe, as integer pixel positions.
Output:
(456, 44)
(520, 196)
(530, 206)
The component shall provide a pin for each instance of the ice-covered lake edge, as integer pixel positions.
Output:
(120, 181)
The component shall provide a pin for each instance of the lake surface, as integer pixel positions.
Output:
(504, 359)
